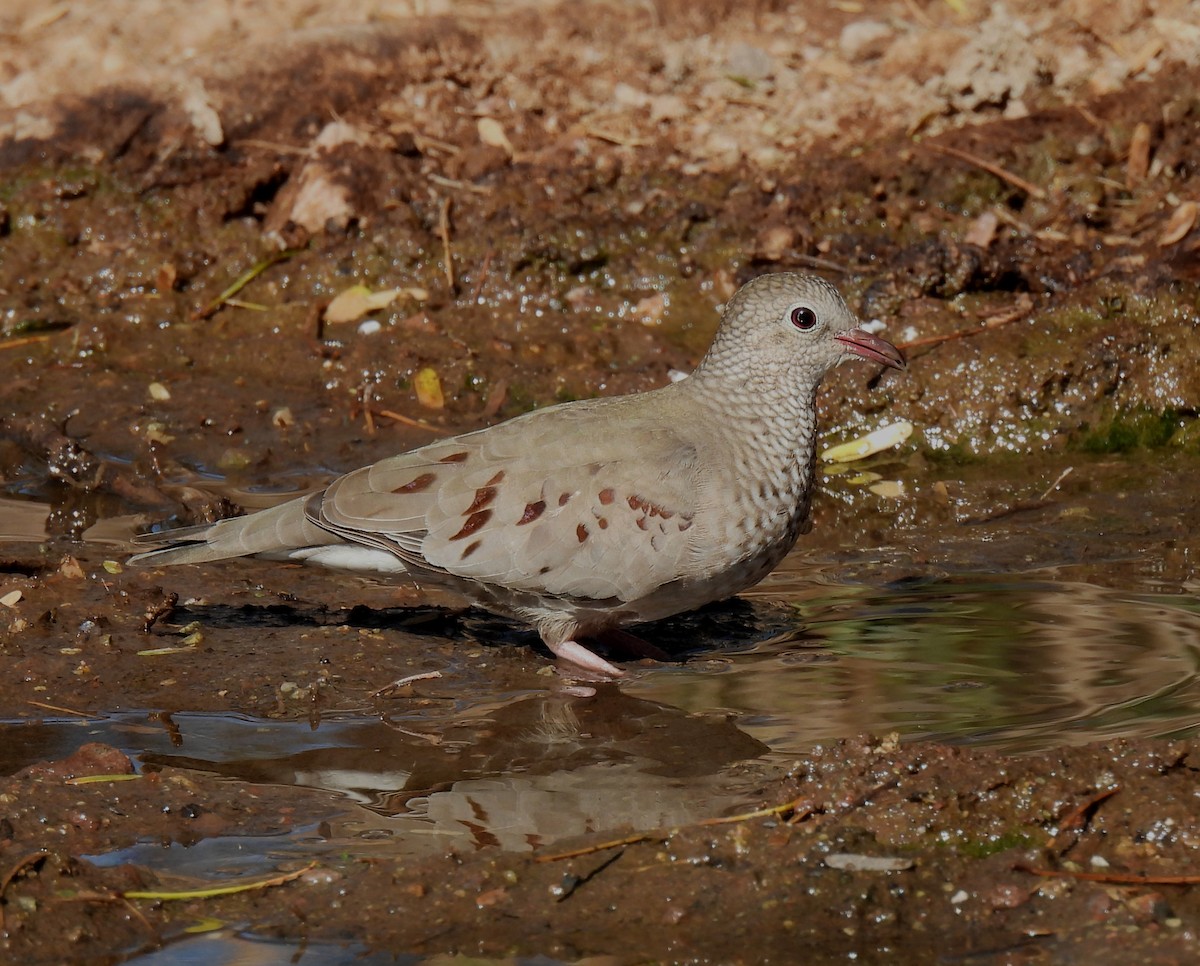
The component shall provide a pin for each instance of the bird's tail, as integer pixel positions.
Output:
(277, 532)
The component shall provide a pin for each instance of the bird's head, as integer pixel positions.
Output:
(790, 329)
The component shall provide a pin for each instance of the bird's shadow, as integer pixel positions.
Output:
(730, 625)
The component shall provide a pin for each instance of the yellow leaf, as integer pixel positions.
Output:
(351, 304)
(429, 389)
(883, 438)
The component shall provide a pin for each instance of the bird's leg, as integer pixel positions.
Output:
(580, 656)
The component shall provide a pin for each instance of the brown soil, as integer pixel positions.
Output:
(565, 193)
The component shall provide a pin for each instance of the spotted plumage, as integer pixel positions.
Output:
(595, 514)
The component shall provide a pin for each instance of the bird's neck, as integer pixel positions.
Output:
(778, 420)
(763, 483)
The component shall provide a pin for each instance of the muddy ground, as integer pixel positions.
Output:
(561, 196)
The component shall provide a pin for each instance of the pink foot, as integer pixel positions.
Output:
(580, 656)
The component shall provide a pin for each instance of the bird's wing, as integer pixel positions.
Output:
(576, 501)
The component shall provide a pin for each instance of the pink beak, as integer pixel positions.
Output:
(871, 347)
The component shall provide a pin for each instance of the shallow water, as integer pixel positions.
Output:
(1019, 663)
(1073, 635)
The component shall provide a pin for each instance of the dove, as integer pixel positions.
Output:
(589, 516)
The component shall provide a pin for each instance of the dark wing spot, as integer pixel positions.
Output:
(483, 496)
(641, 522)
(474, 522)
(581, 532)
(455, 458)
(602, 523)
(641, 503)
(607, 495)
(544, 570)
(416, 486)
(684, 523)
(532, 512)
(471, 548)
(495, 479)
(562, 500)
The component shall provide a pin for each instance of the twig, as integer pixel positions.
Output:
(227, 890)
(26, 340)
(582, 880)
(994, 169)
(795, 811)
(460, 185)
(483, 273)
(1075, 818)
(775, 811)
(1020, 506)
(1042, 499)
(444, 232)
(249, 306)
(600, 847)
(241, 282)
(424, 142)
(423, 676)
(55, 707)
(409, 421)
(368, 390)
(137, 913)
(435, 740)
(277, 146)
(612, 138)
(1116, 878)
(1023, 307)
(814, 261)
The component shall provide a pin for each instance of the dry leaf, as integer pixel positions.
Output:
(1138, 162)
(197, 104)
(428, 388)
(1144, 54)
(71, 569)
(854, 862)
(492, 134)
(983, 230)
(650, 310)
(774, 242)
(1182, 220)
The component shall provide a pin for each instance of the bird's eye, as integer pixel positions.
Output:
(803, 318)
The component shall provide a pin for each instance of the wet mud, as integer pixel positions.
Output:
(1020, 573)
